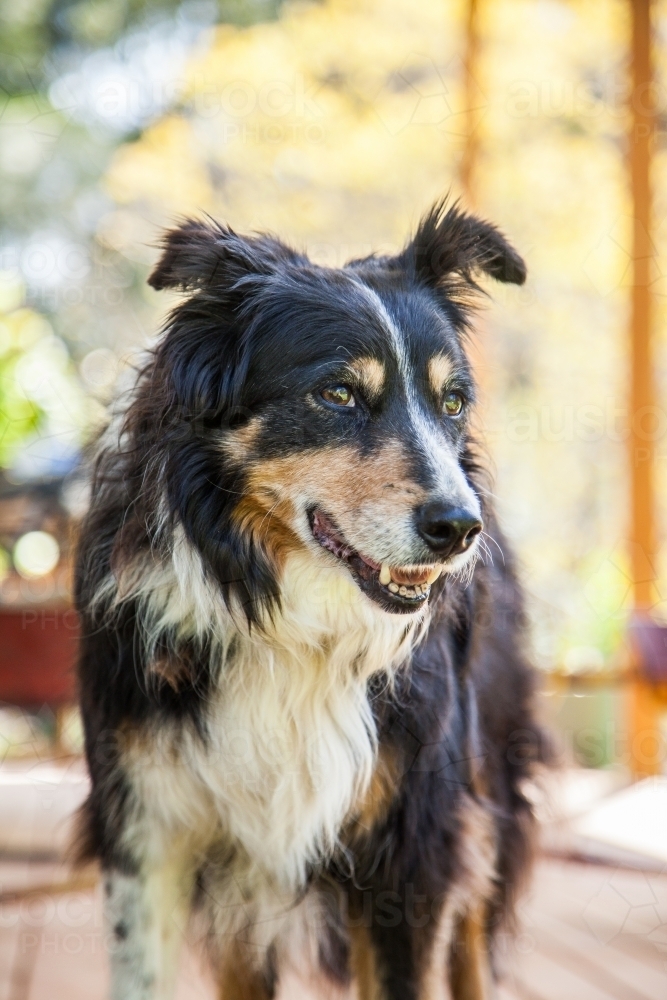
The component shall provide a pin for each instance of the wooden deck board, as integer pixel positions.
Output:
(589, 933)
(596, 932)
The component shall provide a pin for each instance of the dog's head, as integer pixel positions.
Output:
(300, 408)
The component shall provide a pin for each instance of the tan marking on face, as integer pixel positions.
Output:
(267, 522)
(262, 513)
(439, 370)
(371, 375)
(237, 443)
(346, 483)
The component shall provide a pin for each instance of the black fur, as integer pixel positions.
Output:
(261, 327)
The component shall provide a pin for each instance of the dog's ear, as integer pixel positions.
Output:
(205, 254)
(451, 245)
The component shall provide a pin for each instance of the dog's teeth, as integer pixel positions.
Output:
(403, 591)
(393, 587)
(385, 574)
(434, 574)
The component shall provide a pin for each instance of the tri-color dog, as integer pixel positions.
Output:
(308, 711)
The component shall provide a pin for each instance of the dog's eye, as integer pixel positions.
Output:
(452, 404)
(338, 395)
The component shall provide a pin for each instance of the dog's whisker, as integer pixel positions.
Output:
(225, 489)
(485, 535)
(486, 551)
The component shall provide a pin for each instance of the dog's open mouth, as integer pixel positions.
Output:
(401, 589)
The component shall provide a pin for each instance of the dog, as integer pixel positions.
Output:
(309, 715)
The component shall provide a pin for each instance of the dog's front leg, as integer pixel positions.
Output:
(400, 953)
(146, 914)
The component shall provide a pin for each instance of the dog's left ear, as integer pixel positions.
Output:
(451, 245)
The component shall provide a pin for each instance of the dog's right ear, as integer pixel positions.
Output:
(205, 254)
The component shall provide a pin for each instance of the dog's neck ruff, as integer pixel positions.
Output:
(290, 736)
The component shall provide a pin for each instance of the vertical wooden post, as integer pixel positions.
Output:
(470, 62)
(643, 707)
(468, 176)
(642, 390)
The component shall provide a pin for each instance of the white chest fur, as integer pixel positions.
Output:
(290, 733)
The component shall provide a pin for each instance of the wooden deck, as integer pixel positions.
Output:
(590, 932)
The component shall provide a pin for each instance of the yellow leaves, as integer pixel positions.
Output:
(295, 125)
(162, 168)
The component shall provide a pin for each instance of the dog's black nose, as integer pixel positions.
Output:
(447, 530)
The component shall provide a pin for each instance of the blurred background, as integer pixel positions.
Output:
(336, 124)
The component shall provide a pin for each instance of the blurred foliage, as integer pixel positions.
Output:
(335, 124)
(36, 33)
(42, 406)
(60, 63)
(19, 416)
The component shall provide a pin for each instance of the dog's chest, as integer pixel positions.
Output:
(287, 754)
(290, 741)
(292, 760)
